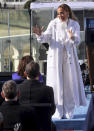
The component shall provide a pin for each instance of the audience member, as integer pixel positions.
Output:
(34, 92)
(89, 124)
(19, 75)
(1, 122)
(17, 117)
(21, 67)
(1, 99)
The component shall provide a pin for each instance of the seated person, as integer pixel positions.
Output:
(19, 75)
(16, 116)
(34, 92)
(21, 67)
(1, 122)
(1, 99)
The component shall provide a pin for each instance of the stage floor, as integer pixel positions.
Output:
(79, 115)
(82, 109)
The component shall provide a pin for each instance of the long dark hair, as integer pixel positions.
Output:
(22, 64)
(68, 9)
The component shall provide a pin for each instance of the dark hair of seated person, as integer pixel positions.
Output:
(32, 70)
(22, 64)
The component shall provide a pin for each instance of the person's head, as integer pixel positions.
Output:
(32, 70)
(64, 12)
(22, 64)
(9, 90)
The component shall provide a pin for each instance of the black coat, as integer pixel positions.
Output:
(32, 91)
(17, 116)
(89, 124)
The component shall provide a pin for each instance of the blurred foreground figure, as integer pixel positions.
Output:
(89, 125)
(33, 92)
(17, 117)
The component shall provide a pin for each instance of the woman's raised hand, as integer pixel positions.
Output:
(38, 30)
(71, 35)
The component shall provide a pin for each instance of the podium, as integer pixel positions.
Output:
(89, 39)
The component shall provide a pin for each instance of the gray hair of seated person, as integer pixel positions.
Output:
(32, 70)
(9, 89)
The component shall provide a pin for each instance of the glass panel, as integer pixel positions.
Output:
(82, 47)
(3, 23)
(11, 50)
(19, 22)
(42, 17)
(15, 37)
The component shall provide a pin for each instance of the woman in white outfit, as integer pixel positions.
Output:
(63, 70)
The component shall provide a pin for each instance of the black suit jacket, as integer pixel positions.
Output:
(32, 91)
(89, 124)
(17, 116)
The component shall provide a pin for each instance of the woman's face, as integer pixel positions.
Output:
(62, 14)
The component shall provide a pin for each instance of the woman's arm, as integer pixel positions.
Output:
(73, 34)
(43, 37)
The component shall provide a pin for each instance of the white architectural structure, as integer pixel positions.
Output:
(42, 0)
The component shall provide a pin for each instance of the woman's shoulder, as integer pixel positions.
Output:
(73, 21)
